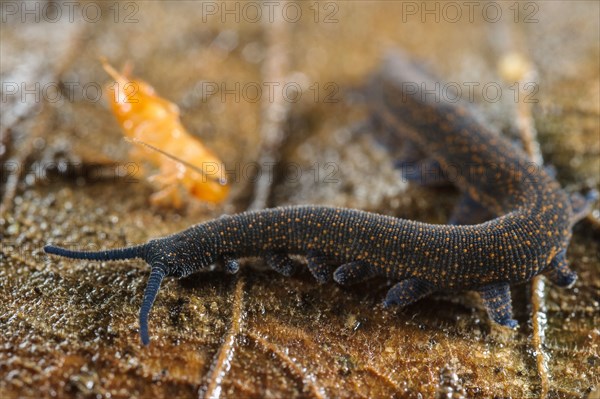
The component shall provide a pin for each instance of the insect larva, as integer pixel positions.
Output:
(147, 118)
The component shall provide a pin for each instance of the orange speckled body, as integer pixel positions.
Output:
(145, 117)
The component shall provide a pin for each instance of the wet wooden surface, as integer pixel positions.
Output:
(69, 328)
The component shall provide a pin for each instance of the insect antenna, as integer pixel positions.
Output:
(123, 77)
(178, 160)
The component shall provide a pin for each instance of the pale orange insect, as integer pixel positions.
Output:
(183, 161)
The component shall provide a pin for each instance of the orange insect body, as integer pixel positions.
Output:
(149, 119)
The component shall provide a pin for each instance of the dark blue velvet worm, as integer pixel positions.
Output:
(512, 223)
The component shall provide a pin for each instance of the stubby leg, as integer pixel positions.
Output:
(408, 291)
(353, 272)
(559, 272)
(496, 299)
(281, 263)
(232, 265)
(319, 266)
